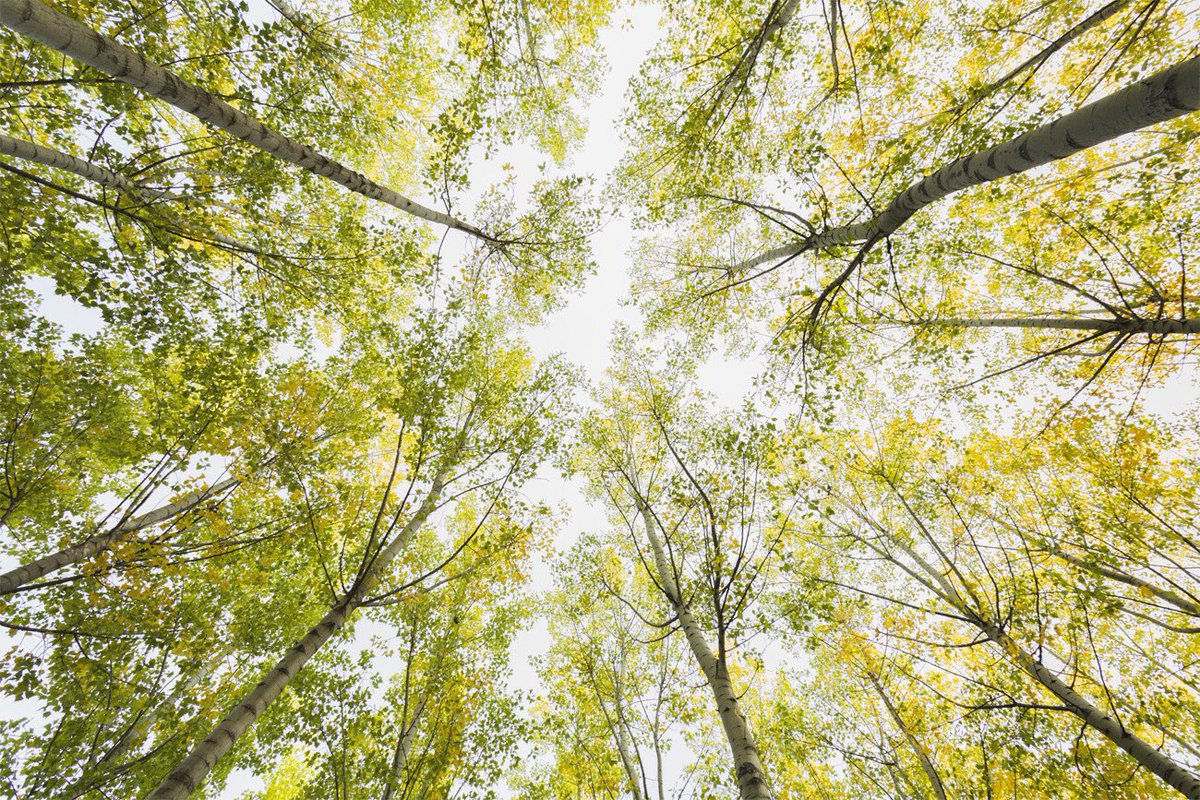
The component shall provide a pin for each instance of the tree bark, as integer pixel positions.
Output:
(1164, 96)
(1150, 758)
(1162, 766)
(616, 729)
(752, 780)
(191, 772)
(1182, 603)
(940, 585)
(1151, 327)
(931, 773)
(1043, 55)
(50, 157)
(72, 38)
(403, 748)
(143, 195)
(772, 27)
(15, 579)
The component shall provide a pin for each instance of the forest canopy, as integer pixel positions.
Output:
(886, 487)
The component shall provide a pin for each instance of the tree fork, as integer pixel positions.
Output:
(72, 38)
(751, 777)
(194, 768)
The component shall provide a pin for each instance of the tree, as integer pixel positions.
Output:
(697, 496)
(940, 533)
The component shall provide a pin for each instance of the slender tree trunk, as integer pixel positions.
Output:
(143, 195)
(14, 579)
(636, 774)
(403, 749)
(752, 780)
(931, 773)
(1043, 55)
(770, 31)
(1131, 326)
(50, 157)
(191, 772)
(1182, 603)
(1171, 93)
(72, 38)
(1164, 767)
(616, 729)
(1149, 757)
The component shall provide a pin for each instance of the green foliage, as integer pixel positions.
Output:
(238, 401)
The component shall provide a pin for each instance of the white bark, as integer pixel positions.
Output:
(1182, 603)
(616, 729)
(27, 573)
(1164, 767)
(404, 748)
(70, 37)
(931, 773)
(191, 772)
(767, 34)
(1159, 327)
(1043, 55)
(1164, 96)
(752, 780)
(1149, 757)
(143, 195)
(50, 157)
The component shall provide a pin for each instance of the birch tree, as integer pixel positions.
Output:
(935, 532)
(697, 504)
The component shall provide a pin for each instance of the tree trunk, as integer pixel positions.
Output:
(191, 772)
(70, 37)
(772, 27)
(1150, 758)
(1044, 54)
(41, 154)
(143, 195)
(616, 729)
(14, 579)
(1168, 94)
(403, 748)
(931, 773)
(1166, 768)
(752, 780)
(1131, 326)
(1182, 603)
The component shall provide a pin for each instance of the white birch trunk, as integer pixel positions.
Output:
(1182, 603)
(143, 195)
(403, 749)
(616, 729)
(1132, 326)
(1045, 53)
(768, 33)
(57, 159)
(72, 38)
(27, 573)
(1149, 757)
(1152, 759)
(931, 773)
(1169, 94)
(752, 780)
(191, 772)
